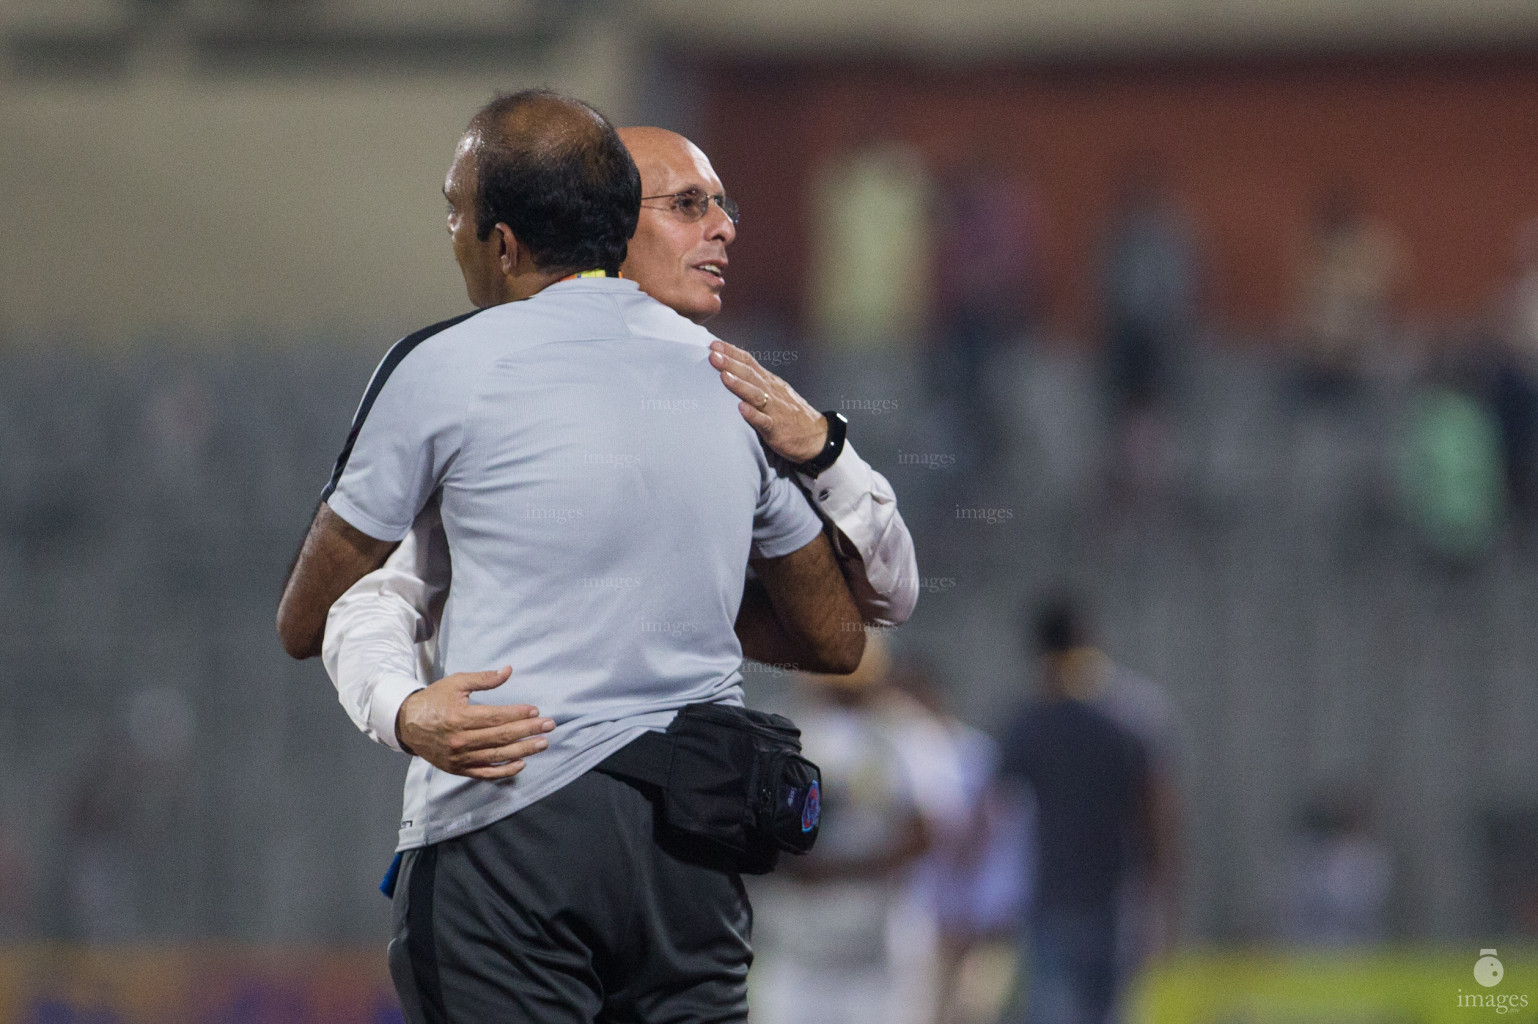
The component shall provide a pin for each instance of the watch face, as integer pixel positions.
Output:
(1488, 971)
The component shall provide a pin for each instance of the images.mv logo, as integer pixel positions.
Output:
(1489, 971)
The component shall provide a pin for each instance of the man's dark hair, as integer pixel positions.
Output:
(1056, 626)
(555, 171)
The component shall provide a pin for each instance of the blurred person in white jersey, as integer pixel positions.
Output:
(840, 944)
(972, 883)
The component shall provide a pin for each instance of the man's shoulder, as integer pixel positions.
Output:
(640, 314)
(646, 316)
(420, 335)
(409, 352)
(449, 349)
(416, 339)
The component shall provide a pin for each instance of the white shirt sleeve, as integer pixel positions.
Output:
(860, 503)
(380, 634)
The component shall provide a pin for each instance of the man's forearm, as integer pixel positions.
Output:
(372, 657)
(764, 638)
(811, 621)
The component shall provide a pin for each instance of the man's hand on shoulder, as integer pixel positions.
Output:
(480, 741)
(786, 422)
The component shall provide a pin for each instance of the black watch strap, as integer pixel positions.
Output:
(838, 429)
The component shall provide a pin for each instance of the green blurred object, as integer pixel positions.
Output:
(1451, 480)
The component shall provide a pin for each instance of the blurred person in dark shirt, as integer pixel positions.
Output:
(1094, 750)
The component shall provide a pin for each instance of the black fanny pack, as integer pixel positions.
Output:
(732, 776)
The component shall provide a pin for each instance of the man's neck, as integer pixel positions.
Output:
(530, 283)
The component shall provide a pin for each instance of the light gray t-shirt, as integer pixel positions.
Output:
(601, 495)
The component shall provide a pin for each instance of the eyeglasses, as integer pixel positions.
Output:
(692, 204)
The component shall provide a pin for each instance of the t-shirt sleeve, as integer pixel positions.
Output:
(783, 521)
(404, 438)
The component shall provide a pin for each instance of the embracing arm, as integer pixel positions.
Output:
(334, 556)
(801, 613)
(375, 632)
(372, 655)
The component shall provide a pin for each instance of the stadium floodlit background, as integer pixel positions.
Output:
(1312, 520)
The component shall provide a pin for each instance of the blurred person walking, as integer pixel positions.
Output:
(1095, 753)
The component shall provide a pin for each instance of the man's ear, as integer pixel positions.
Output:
(509, 251)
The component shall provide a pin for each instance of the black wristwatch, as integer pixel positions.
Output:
(838, 429)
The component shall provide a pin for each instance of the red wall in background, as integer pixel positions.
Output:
(1444, 148)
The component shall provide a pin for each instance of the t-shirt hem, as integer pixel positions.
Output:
(797, 539)
(360, 520)
(427, 835)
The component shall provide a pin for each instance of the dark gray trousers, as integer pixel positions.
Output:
(579, 908)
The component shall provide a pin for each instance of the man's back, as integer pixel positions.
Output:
(601, 496)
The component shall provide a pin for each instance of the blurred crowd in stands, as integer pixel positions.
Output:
(952, 260)
(1453, 406)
